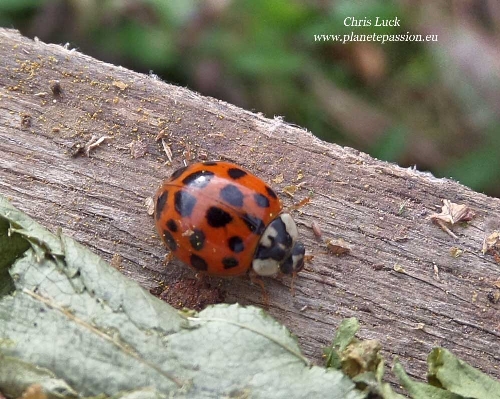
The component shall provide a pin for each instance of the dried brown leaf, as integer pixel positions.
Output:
(491, 243)
(452, 213)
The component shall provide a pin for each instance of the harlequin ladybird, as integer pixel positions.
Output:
(220, 219)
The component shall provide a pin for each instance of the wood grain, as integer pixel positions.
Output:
(400, 278)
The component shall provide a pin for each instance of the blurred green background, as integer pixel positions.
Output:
(433, 105)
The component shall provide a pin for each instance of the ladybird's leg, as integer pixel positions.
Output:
(256, 279)
(307, 259)
(280, 276)
(168, 258)
(298, 205)
(292, 284)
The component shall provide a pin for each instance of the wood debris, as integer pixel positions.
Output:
(338, 246)
(149, 203)
(94, 142)
(316, 229)
(138, 148)
(120, 85)
(167, 150)
(55, 88)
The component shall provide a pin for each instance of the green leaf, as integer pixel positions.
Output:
(19, 5)
(12, 246)
(478, 168)
(453, 374)
(360, 360)
(352, 356)
(391, 143)
(344, 336)
(15, 375)
(372, 380)
(271, 356)
(420, 390)
(85, 325)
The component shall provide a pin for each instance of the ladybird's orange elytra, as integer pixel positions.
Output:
(222, 220)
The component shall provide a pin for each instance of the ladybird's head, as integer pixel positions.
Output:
(278, 248)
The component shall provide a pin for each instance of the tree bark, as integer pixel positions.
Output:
(402, 277)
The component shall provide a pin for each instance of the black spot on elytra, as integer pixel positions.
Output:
(254, 224)
(169, 240)
(177, 173)
(198, 263)
(217, 217)
(229, 262)
(160, 203)
(198, 179)
(235, 243)
(232, 195)
(197, 239)
(271, 192)
(261, 200)
(184, 203)
(236, 173)
(171, 225)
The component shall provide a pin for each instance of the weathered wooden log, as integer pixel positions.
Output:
(83, 145)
